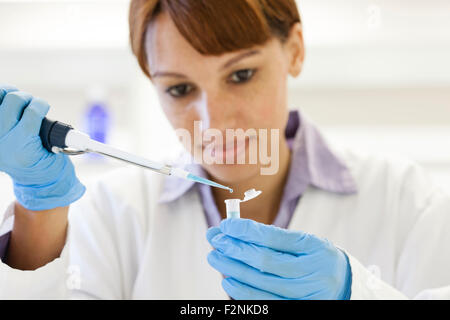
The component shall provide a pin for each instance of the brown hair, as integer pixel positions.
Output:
(214, 27)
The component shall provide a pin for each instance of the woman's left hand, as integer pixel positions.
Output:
(265, 262)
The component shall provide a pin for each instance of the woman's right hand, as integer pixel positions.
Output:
(42, 180)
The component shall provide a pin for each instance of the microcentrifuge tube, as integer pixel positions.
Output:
(233, 208)
(233, 205)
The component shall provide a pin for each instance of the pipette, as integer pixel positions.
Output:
(60, 137)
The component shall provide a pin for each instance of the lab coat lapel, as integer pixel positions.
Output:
(174, 264)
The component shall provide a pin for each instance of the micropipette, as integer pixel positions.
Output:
(60, 137)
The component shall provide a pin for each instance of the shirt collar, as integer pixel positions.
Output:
(312, 163)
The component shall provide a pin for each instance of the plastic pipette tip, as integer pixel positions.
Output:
(207, 182)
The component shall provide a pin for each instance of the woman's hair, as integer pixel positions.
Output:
(214, 27)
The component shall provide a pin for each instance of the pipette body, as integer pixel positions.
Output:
(57, 137)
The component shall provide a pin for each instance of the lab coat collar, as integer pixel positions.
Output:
(312, 163)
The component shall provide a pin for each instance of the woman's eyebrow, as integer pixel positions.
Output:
(240, 57)
(225, 66)
(168, 74)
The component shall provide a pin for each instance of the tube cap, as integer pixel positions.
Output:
(251, 194)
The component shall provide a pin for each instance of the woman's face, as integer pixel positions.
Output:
(245, 89)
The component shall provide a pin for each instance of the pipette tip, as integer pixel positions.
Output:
(208, 182)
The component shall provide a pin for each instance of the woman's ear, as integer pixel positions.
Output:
(295, 50)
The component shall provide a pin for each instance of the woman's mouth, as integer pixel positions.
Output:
(231, 152)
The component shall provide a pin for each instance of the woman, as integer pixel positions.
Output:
(326, 219)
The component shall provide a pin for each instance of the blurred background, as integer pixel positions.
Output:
(376, 76)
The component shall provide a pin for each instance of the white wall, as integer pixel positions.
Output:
(377, 77)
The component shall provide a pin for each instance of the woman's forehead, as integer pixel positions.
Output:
(167, 48)
(164, 43)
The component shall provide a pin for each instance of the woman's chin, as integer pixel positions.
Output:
(232, 173)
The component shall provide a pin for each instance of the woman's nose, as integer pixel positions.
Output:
(215, 111)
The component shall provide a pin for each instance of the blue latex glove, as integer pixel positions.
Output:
(264, 262)
(42, 180)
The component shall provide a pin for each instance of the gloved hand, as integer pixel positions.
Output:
(42, 180)
(263, 262)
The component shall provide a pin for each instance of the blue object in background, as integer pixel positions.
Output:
(98, 120)
(97, 124)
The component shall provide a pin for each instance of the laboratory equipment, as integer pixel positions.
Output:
(97, 120)
(233, 205)
(266, 262)
(41, 181)
(60, 137)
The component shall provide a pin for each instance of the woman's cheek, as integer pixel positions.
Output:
(271, 89)
(266, 105)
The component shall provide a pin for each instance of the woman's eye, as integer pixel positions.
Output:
(242, 76)
(179, 90)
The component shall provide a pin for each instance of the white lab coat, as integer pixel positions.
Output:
(123, 244)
